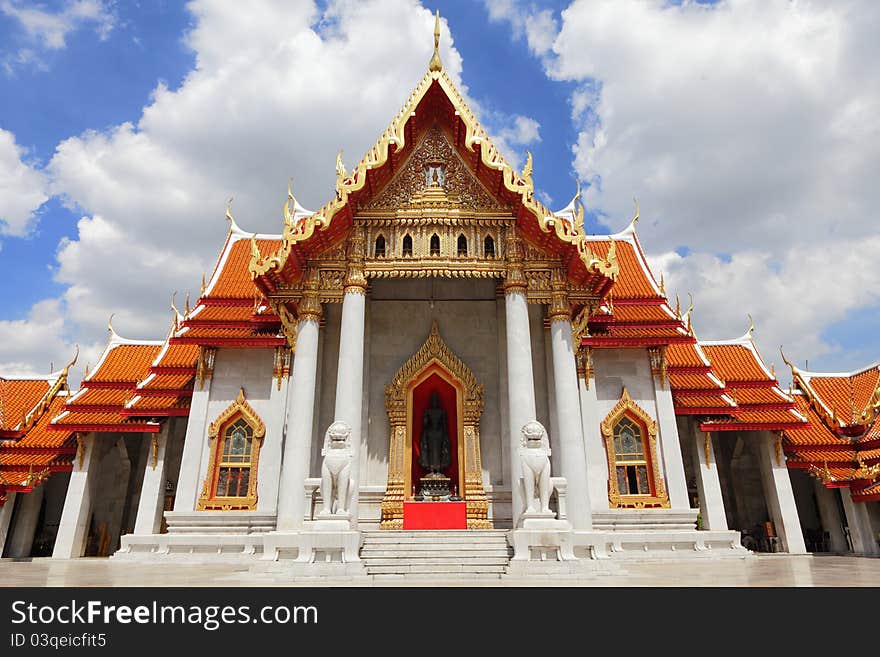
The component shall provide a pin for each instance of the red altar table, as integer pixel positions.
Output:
(434, 515)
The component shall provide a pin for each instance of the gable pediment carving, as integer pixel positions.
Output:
(434, 175)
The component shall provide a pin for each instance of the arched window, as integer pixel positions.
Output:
(488, 247)
(435, 245)
(631, 443)
(379, 251)
(462, 246)
(631, 464)
(231, 479)
(407, 246)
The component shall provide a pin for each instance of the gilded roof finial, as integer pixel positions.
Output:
(690, 309)
(174, 310)
(110, 324)
(340, 168)
(635, 218)
(187, 304)
(290, 203)
(228, 216)
(204, 287)
(662, 285)
(435, 64)
(751, 325)
(526, 174)
(677, 306)
(785, 360)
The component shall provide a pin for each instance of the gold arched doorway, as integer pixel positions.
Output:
(434, 359)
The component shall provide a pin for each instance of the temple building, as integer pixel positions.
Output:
(433, 358)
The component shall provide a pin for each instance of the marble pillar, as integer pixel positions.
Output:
(22, 533)
(569, 439)
(152, 500)
(73, 530)
(6, 519)
(350, 381)
(708, 482)
(779, 495)
(194, 446)
(670, 446)
(300, 419)
(860, 531)
(520, 385)
(594, 443)
(829, 514)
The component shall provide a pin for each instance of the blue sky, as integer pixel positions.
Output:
(748, 131)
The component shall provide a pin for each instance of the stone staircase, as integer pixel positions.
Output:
(436, 554)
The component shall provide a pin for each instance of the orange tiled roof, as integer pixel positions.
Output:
(18, 397)
(231, 278)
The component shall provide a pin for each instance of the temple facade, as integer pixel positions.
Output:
(434, 350)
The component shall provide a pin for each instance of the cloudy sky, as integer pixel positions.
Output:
(749, 131)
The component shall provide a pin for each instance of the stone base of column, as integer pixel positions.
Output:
(327, 548)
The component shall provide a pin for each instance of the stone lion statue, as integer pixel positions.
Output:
(336, 469)
(535, 462)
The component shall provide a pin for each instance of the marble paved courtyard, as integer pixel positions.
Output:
(758, 570)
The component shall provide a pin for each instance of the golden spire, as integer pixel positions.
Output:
(435, 64)
(187, 304)
(662, 285)
(202, 292)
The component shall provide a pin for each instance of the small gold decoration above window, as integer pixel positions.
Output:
(631, 444)
(235, 440)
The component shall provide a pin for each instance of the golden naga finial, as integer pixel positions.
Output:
(187, 305)
(687, 315)
(785, 360)
(635, 218)
(204, 287)
(662, 285)
(86, 375)
(435, 65)
(526, 174)
(677, 306)
(73, 362)
(290, 203)
(340, 168)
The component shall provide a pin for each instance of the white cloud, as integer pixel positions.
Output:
(50, 29)
(46, 30)
(538, 26)
(749, 131)
(23, 188)
(275, 92)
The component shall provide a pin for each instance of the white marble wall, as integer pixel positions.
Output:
(250, 369)
(399, 320)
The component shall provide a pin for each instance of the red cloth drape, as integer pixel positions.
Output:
(421, 401)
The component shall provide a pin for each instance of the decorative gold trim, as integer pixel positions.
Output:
(627, 407)
(514, 279)
(154, 451)
(205, 365)
(780, 454)
(559, 309)
(865, 471)
(207, 499)
(584, 362)
(434, 356)
(823, 474)
(281, 365)
(395, 135)
(658, 365)
(707, 448)
(355, 280)
(80, 449)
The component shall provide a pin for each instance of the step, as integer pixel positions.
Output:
(421, 554)
(404, 568)
(431, 559)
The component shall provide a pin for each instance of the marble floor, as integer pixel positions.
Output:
(759, 570)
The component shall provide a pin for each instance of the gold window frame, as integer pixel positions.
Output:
(208, 499)
(626, 407)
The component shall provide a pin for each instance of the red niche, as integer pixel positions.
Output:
(421, 396)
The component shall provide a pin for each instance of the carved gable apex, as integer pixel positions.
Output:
(434, 175)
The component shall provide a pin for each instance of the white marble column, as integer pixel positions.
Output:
(520, 385)
(670, 446)
(569, 440)
(269, 476)
(350, 381)
(73, 530)
(21, 539)
(708, 483)
(152, 501)
(300, 419)
(594, 443)
(6, 519)
(194, 444)
(859, 523)
(829, 514)
(779, 495)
